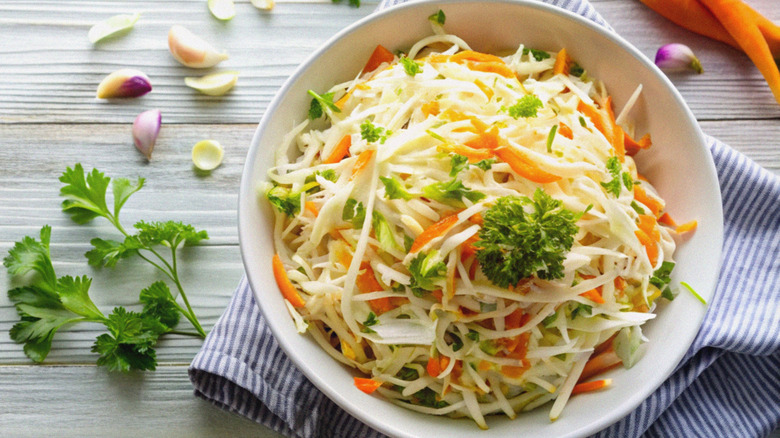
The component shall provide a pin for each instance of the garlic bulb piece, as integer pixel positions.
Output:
(126, 82)
(207, 154)
(145, 129)
(191, 50)
(677, 57)
(215, 84)
(265, 5)
(111, 27)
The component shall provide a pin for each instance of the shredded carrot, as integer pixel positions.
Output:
(439, 228)
(436, 365)
(499, 68)
(362, 161)
(562, 63)
(285, 285)
(620, 283)
(367, 385)
(343, 100)
(486, 139)
(565, 131)
(648, 224)
(692, 15)
(649, 244)
(484, 365)
(600, 363)
(430, 108)
(467, 248)
(474, 155)
(641, 196)
(633, 146)
(470, 55)
(485, 89)
(454, 115)
(594, 295)
(438, 294)
(604, 120)
(667, 220)
(591, 386)
(524, 166)
(477, 219)
(366, 282)
(340, 151)
(312, 208)
(379, 56)
(515, 319)
(686, 227)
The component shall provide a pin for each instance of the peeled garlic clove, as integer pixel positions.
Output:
(112, 26)
(191, 50)
(677, 57)
(127, 82)
(222, 9)
(265, 5)
(207, 154)
(215, 84)
(145, 129)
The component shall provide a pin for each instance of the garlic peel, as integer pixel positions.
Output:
(191, 50)
(207, 154)
(215, 84)
(265, 5)
(112, 26)
(126, 82)
(146, 127)
(222, 9)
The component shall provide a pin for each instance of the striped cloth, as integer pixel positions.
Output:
(728, 384)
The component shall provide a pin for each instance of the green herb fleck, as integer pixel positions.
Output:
(318, 103)
(411, 67)
(526, 106)
(693, 292)
(371, 133)
(458, 163)
(537, 54)
(486, 164)
(619, 178)
(427, 272)
(438, 18)
(551, 137)
(354, 212)
(451, 193)
(394, 189)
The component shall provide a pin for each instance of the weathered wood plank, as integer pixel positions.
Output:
(87, 401)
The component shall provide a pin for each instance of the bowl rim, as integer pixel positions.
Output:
(247, 193)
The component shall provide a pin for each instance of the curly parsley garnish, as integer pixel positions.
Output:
(526, 106)
(411, 67)
(517, 244)
(619, 178)
(371, 133)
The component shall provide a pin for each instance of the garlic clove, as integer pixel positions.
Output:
(265, 5)
(191, 50)
(215, 84)
(677, 57)
(207, 154)
(145, 129)
(222, 9)
(112, 26)
(126, 82)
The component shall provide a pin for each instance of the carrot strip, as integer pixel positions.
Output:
(600, 363)
(366, 282)
(654, 205)
(343, 100)
(686, 227)
(437, 229)
(430, 108)
(367, 385)
(515, 319)
(524, 166)
(486, 139)
(379, 56)
(484, 88)
(362, 161)
(740, 22)
(633, 146)
(604, 120)
(594, 295)
(340, 151)
(470, 55)
(312, 208)
(591, 386)
(562, 63)
(565, 131)
(433, 367)
(650, 246)
(474, 155)
(499, 68)
(285, 285)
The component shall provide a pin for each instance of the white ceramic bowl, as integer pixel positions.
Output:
(679, 165)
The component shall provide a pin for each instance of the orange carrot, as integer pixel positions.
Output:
(486, 139)
(654, 205)
(485, 89)
(343, 100)
(379, 56)
(604, 120)
(667, 220)
(565, 131)
(362, 161)
(470, 55)
(686, 227)
(484, 365)
(474, 155)
(524, 166)
(312, 208)
(633, 146)
(366, 282)
(740, 21)
(437, 229)
(594, 295)
(499, 68)
(436, 365)
(620, 283)
(477, 219)
(649, 244)
(285, 285)
(340, 151)
(590, 386)
(693, 16)
(515, 319)
(562, 63)
(600, 363)
(430, 108)
(367, 385)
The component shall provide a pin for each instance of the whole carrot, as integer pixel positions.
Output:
(693, 16)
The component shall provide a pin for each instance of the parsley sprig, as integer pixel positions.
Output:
(85, 199)
(619, 178)
(527, 106)
(517, 244)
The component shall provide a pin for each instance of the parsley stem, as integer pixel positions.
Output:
(179, 332)
(191, 315)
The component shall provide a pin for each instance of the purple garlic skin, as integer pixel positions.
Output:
(677, 57)
(124, 83)
(146, 127)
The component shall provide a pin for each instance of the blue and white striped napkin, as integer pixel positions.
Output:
(728, 384)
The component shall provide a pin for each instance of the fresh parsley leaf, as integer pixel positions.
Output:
(108, 252)
(458, 163)
(428, 397)
(583, 123)
(516, 244)
(407, 373)
(486, 164)
(32, 255)
(354, 212)
(661, 279)
(160, 304)
(284, 200)
(85, 196)
(371, 133)
(169, 234)
(383, 232)
(451, 193)
(526, 106)
(311, 180)
(408, 242)
(537, 54)
(128, 343)
(319, 103)
(618, 177)
(394, 189)
(438, 18)
(576, 70)
(427, 273)
(411, 67)
(370, 320)
(457, 343)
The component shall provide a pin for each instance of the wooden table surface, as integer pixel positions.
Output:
(50, 119)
